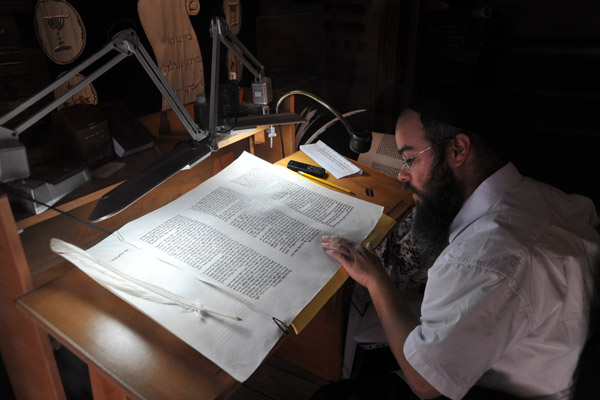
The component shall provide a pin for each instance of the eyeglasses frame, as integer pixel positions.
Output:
(406, 163)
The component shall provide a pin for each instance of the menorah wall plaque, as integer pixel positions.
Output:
(60, 30)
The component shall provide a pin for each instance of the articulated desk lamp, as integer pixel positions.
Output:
(13, 156)
(360, 141)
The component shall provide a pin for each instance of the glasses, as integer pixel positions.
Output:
(406, 163)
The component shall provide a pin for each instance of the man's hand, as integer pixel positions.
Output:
(361, 263)
(364, 266)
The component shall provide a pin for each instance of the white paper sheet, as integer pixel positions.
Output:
(383, 155)
(330, 159)
(250, 236)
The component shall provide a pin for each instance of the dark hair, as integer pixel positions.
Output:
(488, 154)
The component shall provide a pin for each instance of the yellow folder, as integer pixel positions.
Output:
(381, 230)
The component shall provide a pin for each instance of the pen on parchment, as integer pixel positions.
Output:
(325, 182)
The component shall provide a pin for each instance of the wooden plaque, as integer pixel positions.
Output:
(233, 17)
(192, 7)
(59, 30)
(87, 95)
(173, 39)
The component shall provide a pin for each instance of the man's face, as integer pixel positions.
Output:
(410, 139)
(437, 194)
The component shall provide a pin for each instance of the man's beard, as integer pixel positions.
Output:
(441, 200)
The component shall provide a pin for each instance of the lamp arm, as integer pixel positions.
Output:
(221, 29)
(214, 83)
(360, 140)
(220, 33)
(50, 88)
(130, 43)
(126, 43)
(320, 101)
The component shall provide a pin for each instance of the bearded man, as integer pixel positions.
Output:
(504, 313)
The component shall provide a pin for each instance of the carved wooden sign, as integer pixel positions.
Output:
(192, 6)
(59, 30)
(87, 95)
(233, 16)
(172, 37)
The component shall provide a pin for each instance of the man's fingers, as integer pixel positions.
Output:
(334, 249)
(339, 248)
(343, 245)
(333, 239)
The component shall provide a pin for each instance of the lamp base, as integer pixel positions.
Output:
(50, 184)
(13, 161)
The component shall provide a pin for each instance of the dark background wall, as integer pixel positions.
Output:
(541, 58)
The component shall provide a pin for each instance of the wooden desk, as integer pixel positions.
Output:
(26, 262)
(127, 353)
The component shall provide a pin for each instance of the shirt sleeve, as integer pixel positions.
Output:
(469, 315)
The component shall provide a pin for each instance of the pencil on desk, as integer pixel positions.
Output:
(325, 182)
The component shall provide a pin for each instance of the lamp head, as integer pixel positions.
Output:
(360, 141)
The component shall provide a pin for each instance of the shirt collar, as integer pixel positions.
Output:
(486, 195)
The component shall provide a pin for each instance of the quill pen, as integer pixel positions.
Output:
(309, 116)
(322, 129)
(129, 284)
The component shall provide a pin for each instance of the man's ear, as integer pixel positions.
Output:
(460, 148)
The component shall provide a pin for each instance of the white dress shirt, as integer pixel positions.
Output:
(506, 302)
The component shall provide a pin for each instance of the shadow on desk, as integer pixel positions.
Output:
(73, 373)
(5, 388)
(275, 379)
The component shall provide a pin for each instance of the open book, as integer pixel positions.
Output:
(383, 155)
(227, 265)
